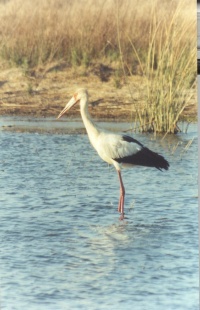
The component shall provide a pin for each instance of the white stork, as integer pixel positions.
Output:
(116, 149)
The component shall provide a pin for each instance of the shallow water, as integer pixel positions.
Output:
(62, 245)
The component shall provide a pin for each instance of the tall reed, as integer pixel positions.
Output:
(169, 70)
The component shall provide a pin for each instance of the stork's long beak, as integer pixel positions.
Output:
(68, 106)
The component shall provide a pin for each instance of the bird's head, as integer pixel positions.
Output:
(80, 95)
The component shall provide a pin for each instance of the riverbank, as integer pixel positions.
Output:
(45, 91)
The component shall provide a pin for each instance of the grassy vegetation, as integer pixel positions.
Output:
(169, 69)
(153, 38)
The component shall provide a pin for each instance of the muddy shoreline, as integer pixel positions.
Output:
(44, 93)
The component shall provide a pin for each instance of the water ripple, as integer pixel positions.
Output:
(62, 245)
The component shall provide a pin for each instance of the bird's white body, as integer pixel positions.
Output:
(118, 150)
(108, 145)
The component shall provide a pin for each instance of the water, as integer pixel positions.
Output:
(62, 245)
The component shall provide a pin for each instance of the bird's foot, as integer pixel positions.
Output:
(121, 218)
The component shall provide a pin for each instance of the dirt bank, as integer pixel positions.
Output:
(44, 92)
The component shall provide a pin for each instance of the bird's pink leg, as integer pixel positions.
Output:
(122, 196)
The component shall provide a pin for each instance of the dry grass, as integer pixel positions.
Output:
(79, 32)
(153, 38)
(37, 32)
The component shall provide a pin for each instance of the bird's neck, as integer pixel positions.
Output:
(91, 129)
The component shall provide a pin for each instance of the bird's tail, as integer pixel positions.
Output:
(148, 158)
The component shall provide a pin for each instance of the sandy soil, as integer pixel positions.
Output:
(44, 92)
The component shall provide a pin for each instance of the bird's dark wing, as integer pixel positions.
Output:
(145, 157)
(131, 140)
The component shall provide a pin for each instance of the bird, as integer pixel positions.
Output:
(119, 150)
